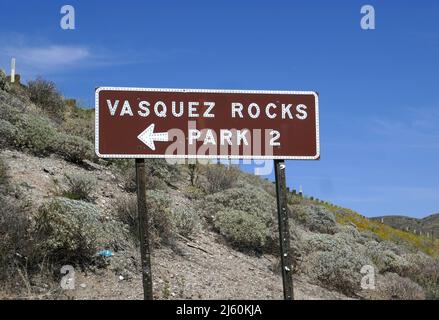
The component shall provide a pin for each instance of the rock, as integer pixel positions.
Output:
(121, 278)
(4, 84)
(48, 171)
(90, 165)
(83, 285)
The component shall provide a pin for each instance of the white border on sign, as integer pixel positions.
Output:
(255, 157)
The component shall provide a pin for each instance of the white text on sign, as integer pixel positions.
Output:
(194, 109)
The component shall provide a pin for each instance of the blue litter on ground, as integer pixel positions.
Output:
(106, 253)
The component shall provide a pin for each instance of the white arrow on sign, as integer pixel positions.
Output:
(148, 136)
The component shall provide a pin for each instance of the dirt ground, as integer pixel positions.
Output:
(201, 268)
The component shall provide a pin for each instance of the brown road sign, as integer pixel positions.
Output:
(197, 123)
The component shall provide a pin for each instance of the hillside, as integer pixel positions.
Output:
(214, 227)
(428, 225)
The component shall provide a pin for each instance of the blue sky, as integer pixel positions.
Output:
(379, 89)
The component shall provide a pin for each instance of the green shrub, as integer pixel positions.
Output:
(12, 105)
(79, 186)
(253, 201)
(392, 286)
(424, 270)
(242, 229)
(71, 231)
(163, 170)
(156, 176)
(315, 218)
(160, 216)
(338, 268)
(385, 258)
(34, 134)
(186, 220)
(194, 172)
(125, 209)
(3, 174)
(80, 122)
(158, 205)
(8, 133)
(129, 178)
(333, 261)
(155, 183)
(194, 193)
(45, 94)
(220, 177)
(16, 242)
(294, 199)
(4, 84)
(74, 149)
(350, 233)
(38, 136)
(313, 242)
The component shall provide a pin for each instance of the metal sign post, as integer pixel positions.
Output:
(143, 216)
(284, 230)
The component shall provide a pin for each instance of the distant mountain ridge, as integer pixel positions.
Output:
(429, 224)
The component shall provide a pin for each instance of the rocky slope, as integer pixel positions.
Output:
(211, 271)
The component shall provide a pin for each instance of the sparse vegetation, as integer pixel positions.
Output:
(386, 259)
(194, 171)
(156, 176)
(79, 122)
(253, 201)
(125, 209)
(3, 174)
(16, 244)
(34, 134)
(162, 224)
(37, 135)
(241, 229)
(79, 186)
(424, 270)
(315, 218)
(396, 287)
(74, 149)
(166, 290)
(186, 220)
(71, 231)
(4, 84)
(7, 134)
(166, 219)
(337, 268)
(45, 94)
(194, 193)
(220, 177)
(160, 217)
